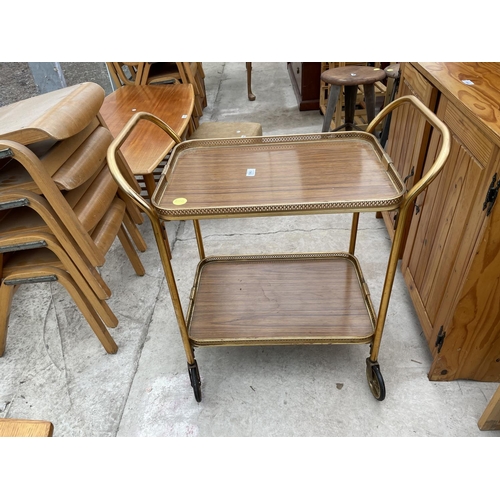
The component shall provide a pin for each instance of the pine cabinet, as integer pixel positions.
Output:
(451, 260)
(409, 127)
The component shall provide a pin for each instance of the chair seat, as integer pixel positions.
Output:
(353, 75)
(215, 130)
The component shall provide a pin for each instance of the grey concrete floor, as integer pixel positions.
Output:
(54, 368)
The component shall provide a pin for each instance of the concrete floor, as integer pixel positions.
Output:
(55, 369)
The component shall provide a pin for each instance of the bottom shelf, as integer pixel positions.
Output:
(280, 299)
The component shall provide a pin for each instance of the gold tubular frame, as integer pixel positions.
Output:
(156, 215)
(404, 211)
(158, 230)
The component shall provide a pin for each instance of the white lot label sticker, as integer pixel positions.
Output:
(250, 172)
(184, 116)
(468, 82)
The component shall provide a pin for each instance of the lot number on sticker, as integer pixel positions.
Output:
(250, 172)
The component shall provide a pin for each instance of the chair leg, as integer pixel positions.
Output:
(134, 233)
(6, 294)
(100, 306)
(88, 312)
(131, 253)
(78, 297)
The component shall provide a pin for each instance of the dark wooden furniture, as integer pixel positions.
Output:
(305, 78)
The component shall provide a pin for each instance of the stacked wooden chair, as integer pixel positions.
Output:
(60, 209)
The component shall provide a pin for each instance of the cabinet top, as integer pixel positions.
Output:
(474, 87)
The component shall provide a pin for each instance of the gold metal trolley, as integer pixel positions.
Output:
(318, 298)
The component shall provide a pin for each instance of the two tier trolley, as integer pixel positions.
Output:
(317, 298)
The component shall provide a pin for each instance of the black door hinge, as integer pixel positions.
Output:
(411, 174)
(440, 339)
(491, 195)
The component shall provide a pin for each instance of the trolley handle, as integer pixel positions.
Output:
(115, 146)
(436, 123)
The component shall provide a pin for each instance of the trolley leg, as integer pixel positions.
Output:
(354, 232)
(373, 374)
(199, 240)
(174, 293)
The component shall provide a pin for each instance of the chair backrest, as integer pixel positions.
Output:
(125, 73)
(54, 144)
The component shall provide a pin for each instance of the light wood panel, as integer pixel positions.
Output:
(13, 427)
(409, 139)
(490, 419)
(55, 115)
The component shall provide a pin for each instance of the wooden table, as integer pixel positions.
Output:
(148, 145)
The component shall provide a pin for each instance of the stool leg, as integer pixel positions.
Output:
(351, 94)
(369, 101)
(387, 123)
(333, 97)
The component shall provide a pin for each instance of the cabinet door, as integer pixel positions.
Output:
(409, 135)
(446, 225)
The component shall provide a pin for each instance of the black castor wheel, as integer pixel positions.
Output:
(375, 379)
(194, 376)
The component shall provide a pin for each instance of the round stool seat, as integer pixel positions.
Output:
(353, 75)
(392, 71)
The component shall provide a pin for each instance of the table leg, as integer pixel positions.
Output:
(251, 97)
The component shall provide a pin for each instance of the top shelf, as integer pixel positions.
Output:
(277, 175)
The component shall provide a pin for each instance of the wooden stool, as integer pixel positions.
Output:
(350, 77)
(217, 130)
(392, 73)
